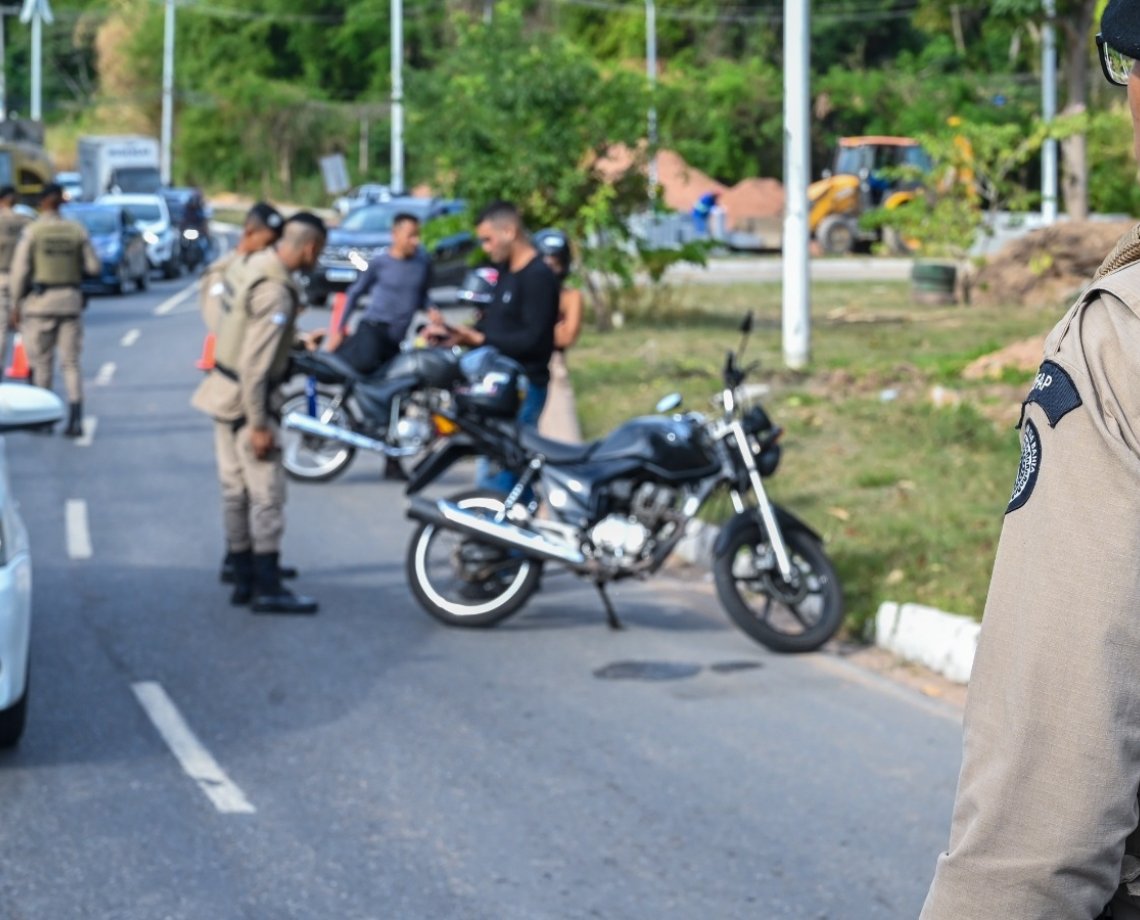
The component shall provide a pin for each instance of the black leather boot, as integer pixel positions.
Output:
(74, 427)
(241, 574)
(226, 573)
(269, 595)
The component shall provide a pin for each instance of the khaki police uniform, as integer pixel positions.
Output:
(48, 265)
(11, 226)
(1044, 825)
(251, 361)
(218, 288)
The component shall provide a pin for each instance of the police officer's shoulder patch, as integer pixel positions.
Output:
(1054, 391)
(1029, 467)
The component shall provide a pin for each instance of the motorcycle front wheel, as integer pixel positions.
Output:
(782, 617)
(463, 582)
(309, 458)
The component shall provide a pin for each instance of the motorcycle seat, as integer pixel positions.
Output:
(375, 396)
(556, 452)
(326, 367)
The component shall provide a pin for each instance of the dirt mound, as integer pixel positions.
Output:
(1022, 356)
(752, 199)
(682, 185)
(1048, 265)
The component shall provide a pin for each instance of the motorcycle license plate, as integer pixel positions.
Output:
(342, 274)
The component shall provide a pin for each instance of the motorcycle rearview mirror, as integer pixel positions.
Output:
(669, 403)
(745, 331)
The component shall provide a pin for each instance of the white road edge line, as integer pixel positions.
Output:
(78, 533)
(90, 423)
(106, 374)
(130, 338)
(195, 760)
(171, 303)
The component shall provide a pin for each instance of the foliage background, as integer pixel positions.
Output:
(265, 87)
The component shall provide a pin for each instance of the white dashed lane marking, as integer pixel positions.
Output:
(195, 760)
(78, 533)
(172, 303)
(90, 423)
(106, 374)
(130, 338)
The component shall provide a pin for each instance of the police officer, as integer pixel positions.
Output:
(49, 263)
(251, 361)
(1045, 821)
(11, 226)
(260, 230)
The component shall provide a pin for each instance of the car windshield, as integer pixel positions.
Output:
(98, 223)
(379, 220)
(149, 213)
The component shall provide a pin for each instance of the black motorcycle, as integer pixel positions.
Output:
(335, 411)
(616, 509)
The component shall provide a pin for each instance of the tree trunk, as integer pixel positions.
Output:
(1074, 150)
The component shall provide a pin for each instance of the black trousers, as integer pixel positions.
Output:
(368, 347)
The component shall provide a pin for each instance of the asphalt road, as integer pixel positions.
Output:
(369, 763)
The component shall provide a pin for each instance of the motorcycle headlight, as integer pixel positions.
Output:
(190, 234)
(151, 237)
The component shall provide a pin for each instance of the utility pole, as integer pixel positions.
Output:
(37, 12)
(363, 150)
(797, 165)
(1048, 113)
(167, 93)
(651, 73)
(397, 180)
(3, 69)
(488, 12)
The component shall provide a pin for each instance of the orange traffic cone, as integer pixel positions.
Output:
(19, 369)
(206, 362)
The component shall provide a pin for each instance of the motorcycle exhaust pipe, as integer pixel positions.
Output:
(450, 516)
(306, 424)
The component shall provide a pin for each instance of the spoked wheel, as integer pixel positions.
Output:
(310, 458)
(463, 582)
(786, 617)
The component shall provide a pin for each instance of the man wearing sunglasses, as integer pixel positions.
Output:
(1045, 821)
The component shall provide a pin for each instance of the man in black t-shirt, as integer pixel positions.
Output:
(520, 319)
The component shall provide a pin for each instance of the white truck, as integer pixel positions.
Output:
(125, 164)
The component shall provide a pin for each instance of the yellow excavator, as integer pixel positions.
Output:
(864, 178)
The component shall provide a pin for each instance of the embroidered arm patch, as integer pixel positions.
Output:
(1027, 469)
(1054, 391)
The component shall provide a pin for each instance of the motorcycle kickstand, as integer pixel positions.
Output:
(611, 615)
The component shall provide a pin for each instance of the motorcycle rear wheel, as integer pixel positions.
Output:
(449, 589)
(306, 457)
(752, 597)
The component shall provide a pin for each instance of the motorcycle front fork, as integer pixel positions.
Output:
(767, 515)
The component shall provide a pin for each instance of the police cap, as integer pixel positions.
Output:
(1120, 26)
(265, 215)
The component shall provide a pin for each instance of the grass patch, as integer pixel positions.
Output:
(909, 496)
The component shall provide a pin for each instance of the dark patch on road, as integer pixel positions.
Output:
(648, 670)
(732, 667)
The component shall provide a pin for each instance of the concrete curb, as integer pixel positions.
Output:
(943, 642)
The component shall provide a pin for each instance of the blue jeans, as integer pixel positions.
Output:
(488, 476)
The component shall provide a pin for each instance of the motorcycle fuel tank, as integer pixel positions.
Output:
(671, 448)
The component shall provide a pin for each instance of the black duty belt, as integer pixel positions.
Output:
(41, 288)
(226, 372)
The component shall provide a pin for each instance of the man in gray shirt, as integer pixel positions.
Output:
(398, 278)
